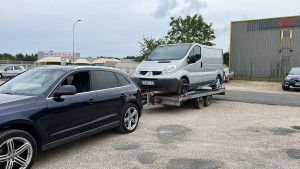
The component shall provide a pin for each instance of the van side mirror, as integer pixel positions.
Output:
(65, 90)
(192, 59)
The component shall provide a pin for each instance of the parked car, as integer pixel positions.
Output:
(228, 74)
(49, 106)
(292, 79)
(11, 70)
(180, 67)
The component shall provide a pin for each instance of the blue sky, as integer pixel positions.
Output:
(114, 27)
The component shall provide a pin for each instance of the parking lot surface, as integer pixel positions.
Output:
(224, 135)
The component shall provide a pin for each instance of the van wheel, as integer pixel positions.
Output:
(18, 149)
(218, 83)
(182, 88)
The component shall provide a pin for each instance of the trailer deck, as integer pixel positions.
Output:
(200, 98)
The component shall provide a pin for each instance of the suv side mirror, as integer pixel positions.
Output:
(65, 90)
(192, 59)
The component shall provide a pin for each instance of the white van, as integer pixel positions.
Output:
(180, 67)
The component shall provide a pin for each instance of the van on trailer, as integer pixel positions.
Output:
(180, 67)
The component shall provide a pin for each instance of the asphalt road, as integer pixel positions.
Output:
(261, 98)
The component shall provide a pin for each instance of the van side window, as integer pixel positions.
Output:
(122, 80)
(17, 67)
(105, 80)
(197, 52)
(80, 80)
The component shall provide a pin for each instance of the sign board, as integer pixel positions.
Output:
(60, 54)
(279, 23)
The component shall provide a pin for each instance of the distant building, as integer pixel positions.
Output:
(265, 47)
(64, 56)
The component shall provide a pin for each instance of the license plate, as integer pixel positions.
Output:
(147, 82)
(297, 84)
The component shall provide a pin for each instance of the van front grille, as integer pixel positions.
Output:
(154, 73)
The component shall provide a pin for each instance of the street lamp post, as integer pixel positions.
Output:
(73, 39)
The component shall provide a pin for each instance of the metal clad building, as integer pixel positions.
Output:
(265, 47)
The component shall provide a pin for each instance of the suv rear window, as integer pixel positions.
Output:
(122, 80)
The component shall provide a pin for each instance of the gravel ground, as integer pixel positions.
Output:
(224, 135)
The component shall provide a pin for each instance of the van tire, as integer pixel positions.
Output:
(182, 89)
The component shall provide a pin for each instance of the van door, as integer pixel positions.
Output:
(195, 69)
(8, 71)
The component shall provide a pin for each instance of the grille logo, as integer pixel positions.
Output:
(149, 73)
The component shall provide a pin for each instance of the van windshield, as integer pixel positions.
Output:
(169, 52)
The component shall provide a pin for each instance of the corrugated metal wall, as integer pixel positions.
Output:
(256, 52)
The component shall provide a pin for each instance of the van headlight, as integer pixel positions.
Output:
(288, 78)
(137, 70)
(169, 69)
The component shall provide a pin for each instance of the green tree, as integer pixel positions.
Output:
(20, 56)
(183, 30)
(129, 57)
(147, 46)
(7, 56)
(191, 29)
(226, 58)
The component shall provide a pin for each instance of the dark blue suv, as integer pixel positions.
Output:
(292, 79)
(49, 106)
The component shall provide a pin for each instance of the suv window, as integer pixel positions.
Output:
(122, 80)
(80, 80)
(105, 80)
(17, 68)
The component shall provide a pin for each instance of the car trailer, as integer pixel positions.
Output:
(199, 98)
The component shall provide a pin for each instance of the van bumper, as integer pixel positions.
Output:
(164, 85)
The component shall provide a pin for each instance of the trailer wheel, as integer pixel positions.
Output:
(207, 101)
(198, 104)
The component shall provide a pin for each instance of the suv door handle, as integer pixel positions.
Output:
(91, 101)
(123, 96)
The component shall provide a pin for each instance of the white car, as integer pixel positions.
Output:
(11, 70)
(228, 74)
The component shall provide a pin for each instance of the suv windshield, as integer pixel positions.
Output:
(295, 71)
(32, 82)
(169, 52)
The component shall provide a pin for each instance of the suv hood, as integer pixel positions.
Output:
(158, 65)
(15, 101)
